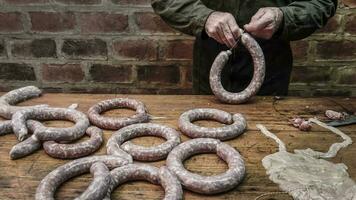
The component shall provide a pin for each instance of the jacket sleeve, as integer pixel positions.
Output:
(187, 16)
(302, 18)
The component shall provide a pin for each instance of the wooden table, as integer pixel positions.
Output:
(19, 178)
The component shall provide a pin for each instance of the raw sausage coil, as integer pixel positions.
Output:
(22, 125)
(99, 186)
(162, 176)
(206, 184)
(257, 79)
(50, 133)
(77, 150)
(25, 147)
(5, 127)
(116, 145)
(236, 124)
(117, 123)
(8, 100)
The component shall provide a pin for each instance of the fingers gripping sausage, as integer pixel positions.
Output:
(257, 79)
(117, 123)
(236, 124)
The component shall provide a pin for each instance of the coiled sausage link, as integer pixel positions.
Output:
(50, 133)
(116, 145)
(49, 185)
(236, 124)
(22, 124)
(76, 150)
(257, 79)
(162, 176)
(113, 123)
(206, 184)
(8, 100)
(5, 127)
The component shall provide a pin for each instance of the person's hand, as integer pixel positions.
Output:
(223, 28)
(265, 22)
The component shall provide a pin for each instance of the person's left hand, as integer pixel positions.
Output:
(265, 22)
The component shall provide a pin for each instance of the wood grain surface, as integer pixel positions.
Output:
(19, 178)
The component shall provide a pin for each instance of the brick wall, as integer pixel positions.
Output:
(325, 63)
(122, 46)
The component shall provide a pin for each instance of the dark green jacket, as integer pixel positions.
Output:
(301, 18)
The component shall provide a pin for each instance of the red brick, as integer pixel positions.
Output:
(310, 74)
(189, 75)
(173, 91)
(111, 73)
(150, 22)
(136, 90)
(62, 73)
(10, 22)
(139, 49)
(349, 3)
(300, 50)
(342, 50)
(17, 71)
(78, 48)
(102, 22)
(132, 2)
(179, 49)
(26, 1)
(79, 2)
(346, 75)
(350, 26)
(2, 48)
(37, 48)
(332, 25)
(52, 21)
(161, 74)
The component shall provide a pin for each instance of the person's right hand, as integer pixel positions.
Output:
(223, 28)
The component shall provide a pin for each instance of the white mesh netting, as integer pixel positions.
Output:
(307, 177)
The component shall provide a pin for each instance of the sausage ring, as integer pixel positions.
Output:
(116, 145)
(206, 184)
(5, 127)
(44, 133)
(25, 147)
(99, 186)
(158, 176)
(8, 100)
(58, 150)
(117, 123)
(257, 79)
(237, 124)
(67, 151)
